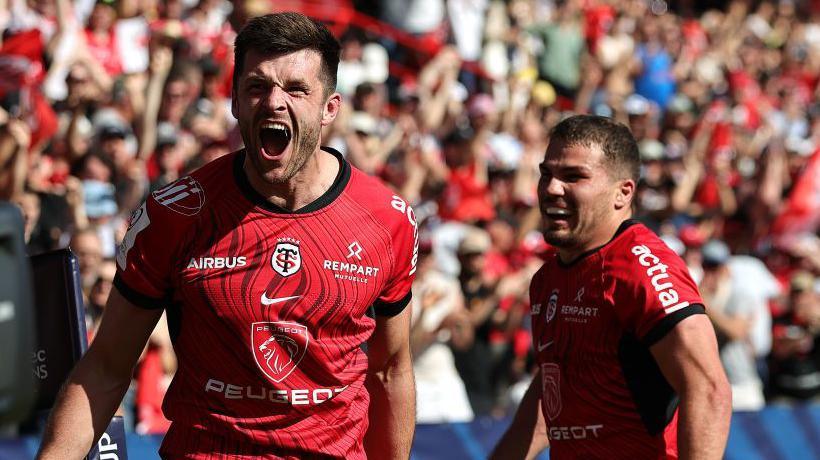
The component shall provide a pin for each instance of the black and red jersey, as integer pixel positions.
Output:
(593, 322)
(268, 309)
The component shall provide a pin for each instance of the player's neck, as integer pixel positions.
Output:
(603, 234)
(312, 181)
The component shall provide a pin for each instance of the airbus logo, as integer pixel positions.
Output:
(205, 263)
(355, 250)
(267, 301)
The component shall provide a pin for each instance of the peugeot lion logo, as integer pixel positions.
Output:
(277, 358)
(278, 347)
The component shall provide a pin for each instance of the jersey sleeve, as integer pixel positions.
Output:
(146, 256)
(405, 244)
(655, 291)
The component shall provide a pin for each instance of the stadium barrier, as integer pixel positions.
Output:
(775, 433)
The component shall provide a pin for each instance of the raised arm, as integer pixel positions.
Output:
(98, 382)
(392, 389)
(688, 358)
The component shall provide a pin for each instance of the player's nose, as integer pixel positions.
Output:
(276, 100)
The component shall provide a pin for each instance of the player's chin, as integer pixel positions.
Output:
(559, 238)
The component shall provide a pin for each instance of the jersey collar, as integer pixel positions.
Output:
(339, 184)
(621, 228)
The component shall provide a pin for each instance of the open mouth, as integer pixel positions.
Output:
(274, 139)
(557, 214)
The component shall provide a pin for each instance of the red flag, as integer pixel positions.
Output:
(21, 61)
(802, 211)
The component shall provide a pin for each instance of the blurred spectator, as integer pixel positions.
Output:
(88, 248)
(361, 62)
(655, 79)
(795, 361)
(466, 197)
(101, 38)
(476, 364)
(560, 58)
(736, 290)
(440, 321)
(98, 294)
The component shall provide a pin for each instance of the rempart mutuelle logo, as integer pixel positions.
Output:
(278, 347)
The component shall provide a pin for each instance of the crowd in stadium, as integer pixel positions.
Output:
(106, 101)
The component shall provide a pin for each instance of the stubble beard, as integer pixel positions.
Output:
(302, 150)
(577, 235)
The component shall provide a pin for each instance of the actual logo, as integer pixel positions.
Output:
(551, 387)
(286, 259)
(278, 347)
(185, 196)
(552, 305)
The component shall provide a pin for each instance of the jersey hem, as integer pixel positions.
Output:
(665, 325)
(137, 298)
(392, 308)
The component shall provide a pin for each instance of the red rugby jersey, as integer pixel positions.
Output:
(593, 322)
(268, 309)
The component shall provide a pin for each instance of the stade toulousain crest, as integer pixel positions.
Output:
(278, 347)
(286, 259)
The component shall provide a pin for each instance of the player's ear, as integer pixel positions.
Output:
(624, 194)
(331, 109)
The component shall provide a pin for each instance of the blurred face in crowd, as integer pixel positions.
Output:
(281, 106)
(101, 288)
(29, 204)
(115, 148)
(89, 253)
(806, 306)
(102, 17)
(472, 262)
(578, 197)
(169, 158)
(96, 169)
(175, 101)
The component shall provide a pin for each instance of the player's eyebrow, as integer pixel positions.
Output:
(564, 169)
(296, 81)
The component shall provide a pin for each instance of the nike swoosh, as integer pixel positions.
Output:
(266, 301)
(544, 346)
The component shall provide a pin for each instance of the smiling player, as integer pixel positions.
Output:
(628, 362)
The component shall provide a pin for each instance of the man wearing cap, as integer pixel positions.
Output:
(795, 362)
(737, 290)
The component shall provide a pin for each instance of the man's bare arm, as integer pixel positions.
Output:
(688, 358)
(392, 389)
(527, 435)
(98, 382)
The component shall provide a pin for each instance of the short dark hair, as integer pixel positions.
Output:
(614, 139)
(282, 33)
